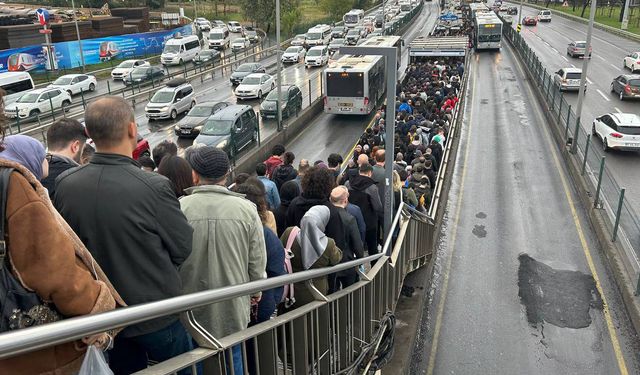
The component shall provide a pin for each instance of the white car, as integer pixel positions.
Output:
(544, 15)
(234, 26)
(203, 24)
(240, 44)
(317, 56)
(255, 86)
(221, 25)
(75, 83)
(294, 54)
(619, 131)
(37, 102)
(632, 61)
(126, 67)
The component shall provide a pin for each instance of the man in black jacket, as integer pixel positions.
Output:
(66, 139)
(131, 222)
(363, 192)
(354, 248)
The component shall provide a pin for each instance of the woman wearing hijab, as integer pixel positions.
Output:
(311, 248)
(45, 256)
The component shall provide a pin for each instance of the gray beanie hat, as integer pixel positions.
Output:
(209, 162)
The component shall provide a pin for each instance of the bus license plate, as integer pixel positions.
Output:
(345, 104)
(344, 109)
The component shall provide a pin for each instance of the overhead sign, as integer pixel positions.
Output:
(449, 17)
(43, 16)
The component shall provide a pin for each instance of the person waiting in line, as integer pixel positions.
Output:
(163, 149)
(285, 171)
(274, 160)
(288, 192)
(354, 248)
(147, 164)
(267, 217)
(363, 192)
(178, 171)
(273, 197)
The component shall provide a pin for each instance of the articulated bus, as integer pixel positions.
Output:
(487, 31)
(353, 84)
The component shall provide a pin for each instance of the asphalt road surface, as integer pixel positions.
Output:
(519, 279)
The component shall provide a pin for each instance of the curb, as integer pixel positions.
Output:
(597, 25)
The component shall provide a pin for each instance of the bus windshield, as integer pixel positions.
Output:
(351, 18)
(345, 84)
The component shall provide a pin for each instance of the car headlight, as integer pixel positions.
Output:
(177, 127)
(23, 110)
(198, 128)
(222, 144)
(165, 108)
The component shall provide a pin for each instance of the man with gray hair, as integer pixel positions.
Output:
(130, 220)
(354, 247)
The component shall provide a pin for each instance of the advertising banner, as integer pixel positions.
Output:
(67, 54)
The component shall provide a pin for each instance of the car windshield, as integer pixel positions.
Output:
(338, 29)
(581, 45)
(313, 52)
(251, 81)
(162, 97)
(233, 23)
(353, 32)
(140, 71)
(206, 53)
(244, 68)
(314, 36)
(634, 83)
(217, 127)
(292, 50)
(63, 81)
(126, 64)
(301, 36)
(171, 48)
(216, 36)
(251, 32)
(273, 95)
(201, 111)
(28, 98)
(629, 130)
(238, 41)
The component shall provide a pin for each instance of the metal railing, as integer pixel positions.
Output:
(609, 195)
(325, 336)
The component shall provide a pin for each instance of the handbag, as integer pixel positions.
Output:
(19, 307)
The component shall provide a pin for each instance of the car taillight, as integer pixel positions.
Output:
(627, 88)
(616, 135)
(366, 101)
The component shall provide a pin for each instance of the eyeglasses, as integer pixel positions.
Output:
(48, 157)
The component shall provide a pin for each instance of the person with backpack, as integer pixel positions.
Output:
(285, 171)
(423, 193)
(363, 192)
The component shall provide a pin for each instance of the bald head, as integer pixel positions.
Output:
(363, 159)
(109, 122)
(340, 196)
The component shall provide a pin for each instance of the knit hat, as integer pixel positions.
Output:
(209, 162)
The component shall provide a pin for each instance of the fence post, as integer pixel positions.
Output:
(184, 67)
(597, 198)
(84, 104)
(618, 212)
(586, 153)
(52, 113)
(17, 120)
(108, 87)
(309, 92)
(553, 98)
(637, 287)
(560, 109)
(566, 129)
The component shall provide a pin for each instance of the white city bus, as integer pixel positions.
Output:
(353, 18)
(487, 31)
(15, 84)
(353, 84)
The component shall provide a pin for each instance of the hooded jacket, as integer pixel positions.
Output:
(272, 163)
(363, 192)
(282, 174)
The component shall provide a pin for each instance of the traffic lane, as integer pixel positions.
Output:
(427, 18)
(513, 202)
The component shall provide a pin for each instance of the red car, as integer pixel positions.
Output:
(142, 148)
(530, 21)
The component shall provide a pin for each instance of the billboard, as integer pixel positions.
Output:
(67, 54)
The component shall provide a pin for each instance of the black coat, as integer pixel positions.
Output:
(282, 174)
(57, 165)
(131, 222)
(300, 205)
(363, 192)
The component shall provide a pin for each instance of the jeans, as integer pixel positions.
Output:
(130, 354)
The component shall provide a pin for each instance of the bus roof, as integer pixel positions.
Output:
(10, 77)
(353, 63)
(438, 46)
(488, 20)
(356, 11)
(381, 41)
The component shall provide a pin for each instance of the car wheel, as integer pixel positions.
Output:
(174, 114)
(92, 87)
(65, 106)
(273, 86)
(605, 145)
(193, 104)
(621, 95)
(259, 94)
(34, 113)
(593, 130)
(612, 89)
(633, 68)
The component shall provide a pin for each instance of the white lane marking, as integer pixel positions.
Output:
(573, 66)
(555, 50)
(617, 109)
(601, 58)
(565, 59)
(588, 80)
(614, 67)
(603, 95)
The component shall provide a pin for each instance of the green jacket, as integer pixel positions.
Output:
(228, 249)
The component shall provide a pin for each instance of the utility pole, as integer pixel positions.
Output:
(583, 77)
(625, 15)
(279, 66)
(520, 13)
(75, 19)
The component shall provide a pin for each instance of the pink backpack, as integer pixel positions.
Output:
(288, 294)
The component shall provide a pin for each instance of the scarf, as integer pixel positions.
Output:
(313, 241)
(26, 151)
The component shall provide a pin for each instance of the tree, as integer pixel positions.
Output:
(584, 7)
(289, 20)
(336, 8)
(263, 12)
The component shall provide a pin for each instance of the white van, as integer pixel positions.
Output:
(179, 50)
(317, 56)
(318, 35)
(14, 85)
(218, 39)
(544, 15)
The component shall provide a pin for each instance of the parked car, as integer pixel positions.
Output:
(251, 34)
(124, 68)
(290, 104)
(577, 48)
(317, 56)
(240, 44)
(234, 26)
(244, 70)
(206, 57)
(544, 15)
(37, 102)
(335, 44)
(254, 86)
(626, 86)
(632, 61)
(143, 75)
(170, 101)
(353, 36)
(338, 32)
(231, 129)
(568, 79)
(529, 21)
(299, 40)
(294, 54)
(618, 131)
(75, 83)
(192, 123)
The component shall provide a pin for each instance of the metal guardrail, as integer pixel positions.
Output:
(623, 220)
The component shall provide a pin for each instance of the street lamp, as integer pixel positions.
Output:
(75, 19)
(390, 54)
(278, 66)
(583, 77)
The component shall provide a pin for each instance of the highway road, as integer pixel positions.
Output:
(549, 41)
(520, 286)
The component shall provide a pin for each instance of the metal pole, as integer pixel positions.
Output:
(586, 154)
(75, 19)
(47, 39)
(625, 15)
(619, 211)
(583, 77)
(278, 67)
(597, 198)
(520, 14)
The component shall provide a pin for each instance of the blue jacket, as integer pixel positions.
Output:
(357, 213)
(273, 197)
(405, 107)
(275, 267)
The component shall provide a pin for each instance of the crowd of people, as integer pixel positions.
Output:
(90, 230)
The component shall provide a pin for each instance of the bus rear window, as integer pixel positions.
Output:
(573, 75)
(16, 87)
(345, 85)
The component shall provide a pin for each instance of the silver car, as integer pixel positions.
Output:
(568, 79)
